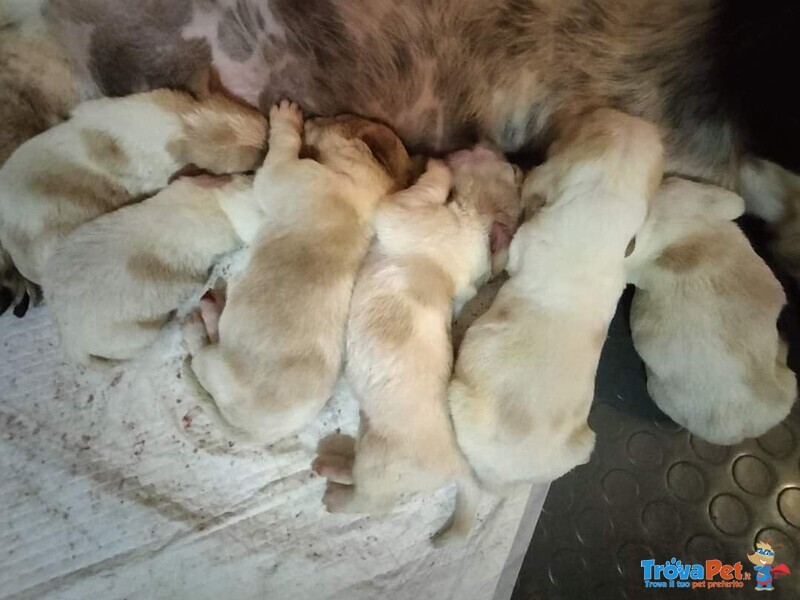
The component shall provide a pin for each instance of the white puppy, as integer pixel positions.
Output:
(773, 193)
(429, 256)
(524, 378)
(111, 152)
(281, 334)
(113, 282)
(704, 317)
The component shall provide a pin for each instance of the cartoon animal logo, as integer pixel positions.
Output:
(763, 559)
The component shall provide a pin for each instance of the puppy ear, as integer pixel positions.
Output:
(389, 151)
(722, 203)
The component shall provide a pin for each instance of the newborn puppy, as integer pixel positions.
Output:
(110, 153)
(428, 257)
(773, 194)
(37, 91)
(281, 333)
(704, 317)
(524, 378)
(149, 259)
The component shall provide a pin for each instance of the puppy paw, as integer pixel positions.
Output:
(211, 305)
(336, 455)
(437, 171)
(336, 469)
(287, 113)
(193, 330)
(17, 293)
(338, 497)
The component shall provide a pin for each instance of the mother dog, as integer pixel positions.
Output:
(710, 73)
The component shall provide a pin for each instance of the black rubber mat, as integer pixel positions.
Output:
(653, 491)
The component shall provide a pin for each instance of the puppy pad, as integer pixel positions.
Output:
(654, 491)
(114, 484)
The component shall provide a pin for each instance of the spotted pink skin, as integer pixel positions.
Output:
(441, 73)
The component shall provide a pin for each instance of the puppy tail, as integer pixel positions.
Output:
(457, 528)
(223, 136)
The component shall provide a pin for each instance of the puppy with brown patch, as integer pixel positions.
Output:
(704, 317)
(151, 258)
(524, 378)
(110, 153)
(37, 91)
(429, 258)
(281, 333)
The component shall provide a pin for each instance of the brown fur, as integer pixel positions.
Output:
(37, 88)
(396, 330)
(440, 72)
(150, 267)
(103, 149)
(81, 187)
(684, 257)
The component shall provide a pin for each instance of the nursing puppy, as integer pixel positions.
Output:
(704, 317)
(524, 378)
(428, 258)
(281, 333)
(773, 194)
(110, 153)
(37, 91)
(151, 258)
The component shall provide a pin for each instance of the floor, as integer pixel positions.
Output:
(652, 490)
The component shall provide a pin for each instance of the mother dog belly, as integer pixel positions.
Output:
(441, 72)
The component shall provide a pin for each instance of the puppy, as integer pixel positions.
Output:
(524, 378)
(281, 333)
(428, 258)
(151, 257)
(773, 194)
(37, 90)
(110, 153)
(704, 317)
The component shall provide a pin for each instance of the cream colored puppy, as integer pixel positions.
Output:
(428, 258)
(281, 333)
(524, 378)
(704, 317)
(115, 281)
(773, 193)
(111, 152)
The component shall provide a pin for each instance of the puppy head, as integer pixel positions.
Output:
(351, 144)
(484, 182)
(682, 209)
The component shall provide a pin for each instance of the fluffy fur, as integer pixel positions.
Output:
(37, 91)
(110, 153)
(524, 378)
(429, 256)
(704, 317)
(150, 257)
(442, 72)
(710, 73)
(281, 333)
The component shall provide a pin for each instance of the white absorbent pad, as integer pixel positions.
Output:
(115, 484)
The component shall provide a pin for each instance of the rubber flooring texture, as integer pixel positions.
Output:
(654, 491)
